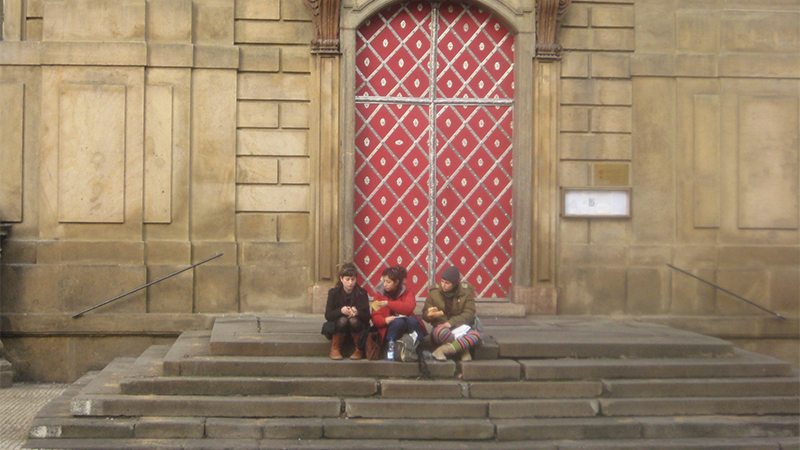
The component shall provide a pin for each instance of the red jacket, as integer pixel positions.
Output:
(405, 305)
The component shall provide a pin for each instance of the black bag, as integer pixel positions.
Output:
(328, 329)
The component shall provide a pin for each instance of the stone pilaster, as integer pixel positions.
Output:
(542, 298)
(326, 138)
(6, 375)
(326, 67)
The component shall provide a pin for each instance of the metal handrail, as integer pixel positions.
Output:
(728, 292)
(75, 316)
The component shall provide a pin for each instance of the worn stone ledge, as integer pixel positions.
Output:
(733, 327)
(62, 324)
(19, 53)
(744, 65)
(93, 324)
(94, 53)
(138, 54)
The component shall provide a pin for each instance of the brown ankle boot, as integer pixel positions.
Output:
(336, 344)
(357, 353)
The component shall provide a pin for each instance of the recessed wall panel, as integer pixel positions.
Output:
(12, 102)
(91, 153)
(706, 161)
(769, 139)
(158, 155)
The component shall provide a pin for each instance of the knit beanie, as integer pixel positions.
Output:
(452, 275)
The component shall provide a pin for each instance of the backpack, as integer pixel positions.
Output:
(406, 348)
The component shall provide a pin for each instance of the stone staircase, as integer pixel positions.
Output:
(266, 383)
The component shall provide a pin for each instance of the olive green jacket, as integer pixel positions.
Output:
(463, 306)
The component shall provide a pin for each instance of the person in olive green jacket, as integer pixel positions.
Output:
(449, 306)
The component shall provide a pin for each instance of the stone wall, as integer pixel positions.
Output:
(699, 103)
(140, 136)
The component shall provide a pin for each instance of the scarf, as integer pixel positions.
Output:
(449, 298)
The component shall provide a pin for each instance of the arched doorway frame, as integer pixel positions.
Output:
(528, 165)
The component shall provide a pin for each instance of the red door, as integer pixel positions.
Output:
(434, 109)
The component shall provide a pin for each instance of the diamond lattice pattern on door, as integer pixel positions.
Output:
(434, 112)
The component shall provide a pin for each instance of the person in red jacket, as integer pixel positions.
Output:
(393, 307)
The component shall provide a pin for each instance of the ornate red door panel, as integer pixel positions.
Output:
(473, 197)
(392, 198)
(433, 166)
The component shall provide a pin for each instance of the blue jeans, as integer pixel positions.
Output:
(402, 325)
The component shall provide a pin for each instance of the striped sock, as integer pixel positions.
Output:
(469, 340)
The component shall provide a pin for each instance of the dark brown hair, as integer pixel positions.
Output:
(397, 274)
(346, 270)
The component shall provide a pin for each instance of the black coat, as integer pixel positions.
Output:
(336, 300)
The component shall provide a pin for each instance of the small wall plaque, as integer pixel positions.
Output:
(596, 202)
(611, 174)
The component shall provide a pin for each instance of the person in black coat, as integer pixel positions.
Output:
(348, 311)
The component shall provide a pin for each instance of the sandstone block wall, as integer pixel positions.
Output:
(699, 102)
(139, 137)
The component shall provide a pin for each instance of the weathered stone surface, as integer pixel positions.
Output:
(700, 406)
(395, 429)
(415, 409)
(490, 370)
(533, 389)
(572, 429)
(257, 114)
(170, 428)
(169, 21)
(422, 389)
(514, 409)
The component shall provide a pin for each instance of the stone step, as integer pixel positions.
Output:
(741, 364)
(395, 444)
(757, 387)
(229, 386)
(698, 406)
(254, 336)
(684, 444)
(190, 344)
(526, 339)
(309, 429)
(634, 428)
(387, 408)
(392, 388)
(206, 406)
(306, 366)
(505, 337)
(358, 387)
(190, 356)
(56, 424)
(410, 429)
(489, 389)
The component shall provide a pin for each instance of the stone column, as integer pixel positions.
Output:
(546, 82)
(326, 140)
(6, 375)
(325, 145)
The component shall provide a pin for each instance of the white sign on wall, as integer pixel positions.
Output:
(596, 202)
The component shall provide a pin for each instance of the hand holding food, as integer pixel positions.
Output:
(434, 312)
